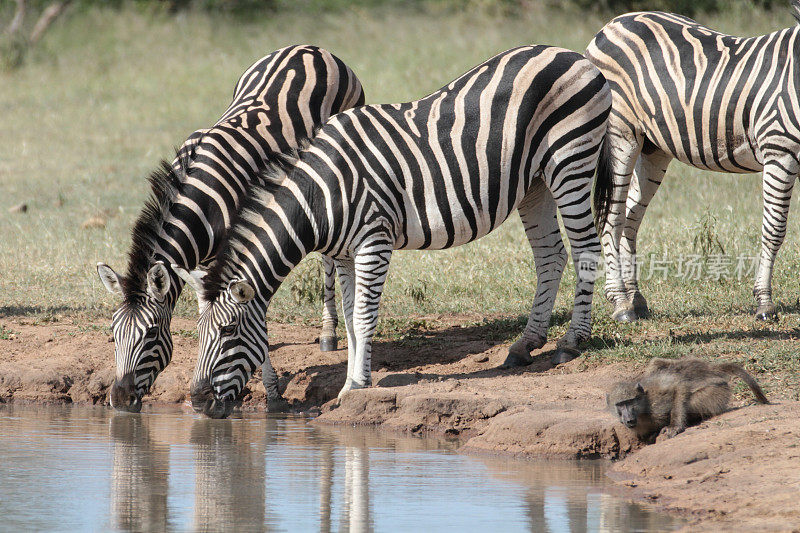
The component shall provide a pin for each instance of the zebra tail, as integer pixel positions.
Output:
(603, 186)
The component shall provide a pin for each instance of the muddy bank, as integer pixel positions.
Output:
(738, 472)
(735, 472)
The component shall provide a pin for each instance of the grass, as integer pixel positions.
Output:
(110, 92)
(6, 334)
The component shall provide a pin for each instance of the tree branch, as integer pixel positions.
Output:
(46, 19)
(19, 17)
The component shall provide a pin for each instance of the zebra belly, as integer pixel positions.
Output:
(443, 234)
(730, 151)
(739, 158)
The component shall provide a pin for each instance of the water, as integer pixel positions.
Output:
(88, 468)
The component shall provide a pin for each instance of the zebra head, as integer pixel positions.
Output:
(232, 344)
(142, 339)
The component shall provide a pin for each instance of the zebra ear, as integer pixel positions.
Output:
(158, 281)
(241, 291)
(194, 279)
(110, 279)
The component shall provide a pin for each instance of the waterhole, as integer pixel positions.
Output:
(69, 468)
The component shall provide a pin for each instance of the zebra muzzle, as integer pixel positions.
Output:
(204, 401)
(123, 395)
(216, 408)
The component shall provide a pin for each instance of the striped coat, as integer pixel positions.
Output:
(714, 101)
(277, 103)
(520, 132)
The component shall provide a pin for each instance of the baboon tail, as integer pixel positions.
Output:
(736, 370)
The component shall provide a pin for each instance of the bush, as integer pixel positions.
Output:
(688, 8)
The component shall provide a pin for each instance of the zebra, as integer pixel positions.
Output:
(277, 102)
(520, 131)
(710, 100)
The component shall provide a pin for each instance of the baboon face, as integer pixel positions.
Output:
(627, 402)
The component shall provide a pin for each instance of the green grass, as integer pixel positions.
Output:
(5, 333)
(108, 93)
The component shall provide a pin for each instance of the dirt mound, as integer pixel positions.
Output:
(741, 470)
(495, 416)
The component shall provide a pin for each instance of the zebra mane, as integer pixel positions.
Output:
(258, 192)
(165, 185)
(796, 10)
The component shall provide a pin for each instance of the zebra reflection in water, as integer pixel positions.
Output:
(356, 515)
(565, 496)
(139, 476)
(230, 475)
(359, 476)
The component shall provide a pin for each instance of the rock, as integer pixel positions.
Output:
(171, 387)
(552, 433)
(100, 382)
(19, 208)
(493, 408)
(480, 358)
(94, 222)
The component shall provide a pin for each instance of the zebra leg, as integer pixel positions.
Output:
(647, 176)
(779, 178)
(623, 151)
(346, 271)
(585, 248)
(371, 267)
(275, 402)
(538, 213)
(330, 319)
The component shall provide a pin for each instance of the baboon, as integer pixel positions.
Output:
(672, 394)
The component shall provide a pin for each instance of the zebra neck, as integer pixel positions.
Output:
(275, 230)
(192, 229)
(794, 60)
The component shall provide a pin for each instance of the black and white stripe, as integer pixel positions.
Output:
(277, 103)
(710, 100)
(520, 131)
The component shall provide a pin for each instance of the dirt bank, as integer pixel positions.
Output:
(740, 471)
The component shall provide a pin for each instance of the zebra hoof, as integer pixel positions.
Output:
(624, 314)
(277, 405)
(564, 355)
(328, 344)
(767, 313)
(517, 359)
(352, 384)
(640, 306)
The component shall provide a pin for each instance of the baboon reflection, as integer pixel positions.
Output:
(139, 476)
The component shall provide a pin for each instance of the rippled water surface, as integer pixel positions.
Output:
(88, 468)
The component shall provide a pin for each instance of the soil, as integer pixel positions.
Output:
(739, 471)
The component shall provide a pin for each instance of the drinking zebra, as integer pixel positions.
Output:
(277, 103)
(713, 101)
(520, 131)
